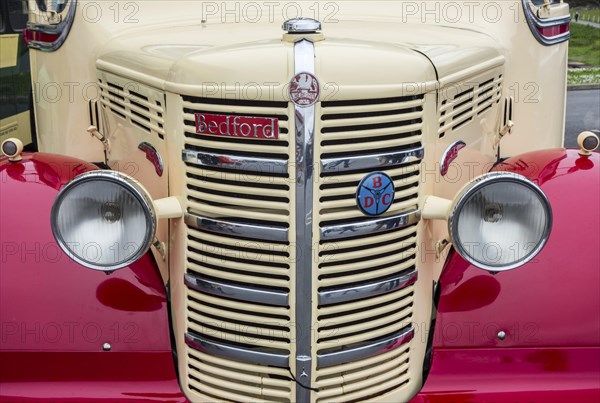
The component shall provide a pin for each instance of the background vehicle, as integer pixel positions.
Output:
(266, 267)
(15, 78)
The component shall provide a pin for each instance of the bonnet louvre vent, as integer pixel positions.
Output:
(461, 103)
(139, 105)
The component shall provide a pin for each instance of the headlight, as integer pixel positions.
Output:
(500, 221)
(103, 220)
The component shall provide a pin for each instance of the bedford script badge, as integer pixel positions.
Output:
(375, 193)
(250, 127)
(304, 89)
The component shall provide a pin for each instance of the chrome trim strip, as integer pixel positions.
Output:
(376, 226)
(362, 351)
(255, 355)
(379, 161)
(457, 145)
(535, 22)
(150, 151)
(228, 228)
(347, 294)
(237, 292)
(304, 61)
(62, 29)
(237, 162)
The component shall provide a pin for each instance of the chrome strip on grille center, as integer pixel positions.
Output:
(237, 292)
(228, 228)
(365, 350)
(335, 232)
(335, 296)
(379, 161)
(304, 56)
(260, 356)
(237, 162)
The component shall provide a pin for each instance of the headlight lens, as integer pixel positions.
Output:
(103, 220)
(500, 221)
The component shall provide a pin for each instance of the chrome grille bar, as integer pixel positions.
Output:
(341, 355)
(224, 227)
(370, 227)
(346, 294)
(378, 160)
(304, 54)
(255, 355)
(236, 162)
(237, 292)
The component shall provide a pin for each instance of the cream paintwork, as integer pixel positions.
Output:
(526, 76)
(436, 208)
(376, 49)
(169, 207)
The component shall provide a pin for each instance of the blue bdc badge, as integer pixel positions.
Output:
(375, 193)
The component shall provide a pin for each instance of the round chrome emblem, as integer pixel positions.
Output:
(375, 193)
(304, 89)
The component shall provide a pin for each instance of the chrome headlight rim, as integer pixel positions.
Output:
(471, 188)
(129, 184)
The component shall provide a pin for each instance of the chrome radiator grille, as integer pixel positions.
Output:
(366, 266)
(238, 258)
(240, 255)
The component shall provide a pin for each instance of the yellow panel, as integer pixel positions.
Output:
(9, 45)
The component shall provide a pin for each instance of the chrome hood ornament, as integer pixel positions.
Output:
(301, 26)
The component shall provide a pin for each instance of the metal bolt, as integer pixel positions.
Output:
(501, 335)
(106, 347)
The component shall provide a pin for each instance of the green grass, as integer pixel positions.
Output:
(584, 76)
(584, 45)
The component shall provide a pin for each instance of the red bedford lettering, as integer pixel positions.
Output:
(386, 199)
(369, 201)
(377, 182)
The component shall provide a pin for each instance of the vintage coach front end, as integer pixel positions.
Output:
(302, 176)
(283, 289)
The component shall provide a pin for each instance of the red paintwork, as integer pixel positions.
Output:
(549, 308)
(55, 314)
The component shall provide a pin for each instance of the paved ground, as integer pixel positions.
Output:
(591, 24)
(583, 113)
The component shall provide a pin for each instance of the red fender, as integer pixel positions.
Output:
(55, 315)
(549, 309)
